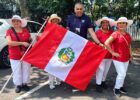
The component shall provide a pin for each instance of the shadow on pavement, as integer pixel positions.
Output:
(66, 92)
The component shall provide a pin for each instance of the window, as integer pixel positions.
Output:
(33, 27)
(1, 23)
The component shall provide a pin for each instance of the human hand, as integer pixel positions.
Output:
(102, 45)
(37, 37)
(116, 54)
(131, 60)
(26, 44)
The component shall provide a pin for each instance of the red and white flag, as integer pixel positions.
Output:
(66, 55)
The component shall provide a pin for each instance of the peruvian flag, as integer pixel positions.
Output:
(66, 55)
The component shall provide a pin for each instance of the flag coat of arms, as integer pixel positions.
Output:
(66, 55)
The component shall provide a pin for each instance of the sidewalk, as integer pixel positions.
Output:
(66, 92)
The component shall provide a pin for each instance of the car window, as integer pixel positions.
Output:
(1, 23)
(33, 27)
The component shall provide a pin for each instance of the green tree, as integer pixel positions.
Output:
(41, 8)
(24, 8)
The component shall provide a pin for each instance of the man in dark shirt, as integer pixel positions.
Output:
(80, 23)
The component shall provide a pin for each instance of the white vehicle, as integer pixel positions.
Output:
(4, 60)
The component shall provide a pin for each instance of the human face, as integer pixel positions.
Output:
(16, 23)
(105, 24)
(122, 25)
(79, 10)
(55, 21)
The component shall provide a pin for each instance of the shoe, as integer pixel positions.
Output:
(52, 86)
(99, 88)
(122, 90)
(117, 92)
(57, 82)
(18, 89)
(104, 85)
(25, 87)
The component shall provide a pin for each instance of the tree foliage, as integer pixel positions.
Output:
(117, 8)
(40, 8)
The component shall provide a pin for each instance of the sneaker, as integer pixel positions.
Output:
(57, 83)
(52, 86)
(122, 90)
(99, 88)
(18, 89)
(117, 92)
(104, 85)
(25, 87)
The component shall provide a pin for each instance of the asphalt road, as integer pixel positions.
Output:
(40, 89)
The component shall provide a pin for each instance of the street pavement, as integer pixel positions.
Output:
(41, 91)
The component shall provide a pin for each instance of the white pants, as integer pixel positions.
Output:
(21, 71)
(53, 80)
(102, 71)
(121, 69)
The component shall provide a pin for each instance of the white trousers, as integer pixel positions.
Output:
(21, 71)
(53, 80)
(121, 69)
(102, 71)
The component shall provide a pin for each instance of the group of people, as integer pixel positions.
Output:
(116, 42)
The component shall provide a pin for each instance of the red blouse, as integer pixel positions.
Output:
(15, 51)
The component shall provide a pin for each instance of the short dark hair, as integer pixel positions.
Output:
(79, 3)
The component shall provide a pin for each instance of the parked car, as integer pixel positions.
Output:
(4, 60)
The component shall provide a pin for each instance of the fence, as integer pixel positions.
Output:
(134, 32)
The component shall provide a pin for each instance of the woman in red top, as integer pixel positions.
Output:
(120, 51)
(103, 34)
(21, 70)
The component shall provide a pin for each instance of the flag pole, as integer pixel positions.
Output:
(34, 39)
(24, 54)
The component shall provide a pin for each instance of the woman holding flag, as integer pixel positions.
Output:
(18, 40)
(103, 34)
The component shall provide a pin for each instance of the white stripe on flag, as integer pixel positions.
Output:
(55, 66)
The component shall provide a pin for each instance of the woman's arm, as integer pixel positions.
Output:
(131, 55)
(16, 43)
(108, 43)
(94, 37)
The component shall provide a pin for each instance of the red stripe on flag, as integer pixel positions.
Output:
(86, 66)
(51, 38)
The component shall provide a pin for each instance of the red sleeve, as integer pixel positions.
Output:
(8, 33)
(98, 33)
(114, 35)
(27, 31)
(131, 38)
